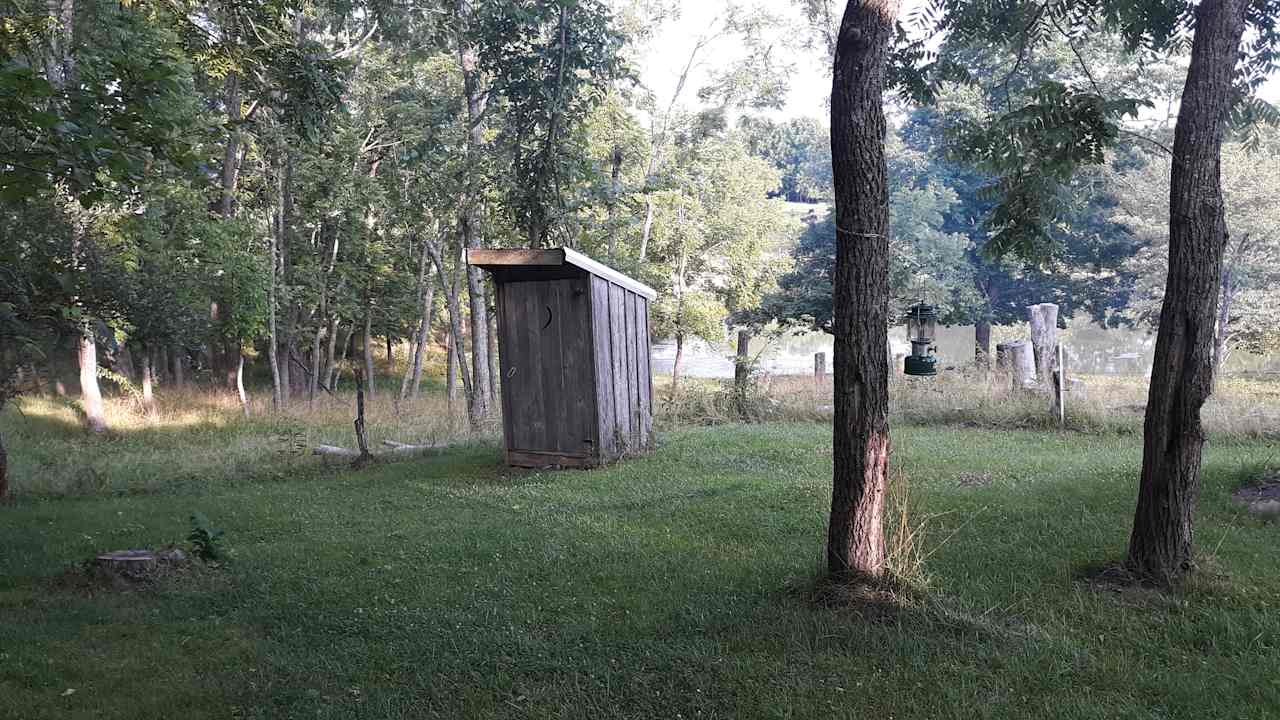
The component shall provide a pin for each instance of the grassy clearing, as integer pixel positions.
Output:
(674, 585)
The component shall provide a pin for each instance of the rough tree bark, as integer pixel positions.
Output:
(860, 443)
(1160, 546)
(367, 345)
(90, 395)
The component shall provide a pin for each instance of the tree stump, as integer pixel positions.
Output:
(1044, 337)
(1017, 359)
(127, 564)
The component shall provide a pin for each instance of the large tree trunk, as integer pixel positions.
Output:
(855, 538)
(90, 395)
(1160, 547)
(982, 342)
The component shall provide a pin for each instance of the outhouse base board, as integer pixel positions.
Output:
(534, 459)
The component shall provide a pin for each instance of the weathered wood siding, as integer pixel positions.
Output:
(624, 391)
(547, 370)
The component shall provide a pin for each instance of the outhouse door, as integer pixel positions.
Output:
(547, 367)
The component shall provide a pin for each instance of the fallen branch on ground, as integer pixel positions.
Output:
(394, 449)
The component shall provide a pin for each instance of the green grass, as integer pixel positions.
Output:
(670, 586)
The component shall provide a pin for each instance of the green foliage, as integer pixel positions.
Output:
(551, 62)
(206, 540)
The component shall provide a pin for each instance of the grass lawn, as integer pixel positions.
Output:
(670, 586)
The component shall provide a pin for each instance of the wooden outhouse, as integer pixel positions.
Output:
(573, 340)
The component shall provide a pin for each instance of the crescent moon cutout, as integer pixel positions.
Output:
(547, 324)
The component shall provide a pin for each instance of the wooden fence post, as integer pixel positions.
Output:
(1060, 385)
(819, 366)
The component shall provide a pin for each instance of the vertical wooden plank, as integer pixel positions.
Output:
(517, 374)
(645, 375)
(618, 347)
(548, 333)
(504, 359)
(603, 362)
(633, 372)
(535, 416)
(579, 366)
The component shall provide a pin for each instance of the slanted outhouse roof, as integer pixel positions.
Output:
(509, 258)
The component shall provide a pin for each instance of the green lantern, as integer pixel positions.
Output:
(922, 329)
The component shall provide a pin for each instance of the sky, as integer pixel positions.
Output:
(810, 81)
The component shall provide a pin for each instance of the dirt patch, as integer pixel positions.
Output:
(1261, 498)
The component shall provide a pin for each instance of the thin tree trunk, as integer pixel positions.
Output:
(450, 370)
(277, 394)
(330, 350)
(742, 374)
(455, 327)
(316, 355)
(493, 350)
(1160, 546)
(1227, 299)
(240, 393)
(855, 538)
(4, 471)
(615, 189)
(426, 302)
(390, 355)
(147, 396)
(362, 438)
(346, 351)
(367, 345)
(648, 229)
(675, 365)
(469, 221)
(179, 370)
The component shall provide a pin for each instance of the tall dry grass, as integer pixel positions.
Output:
(1241, 406)
(195, 435)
